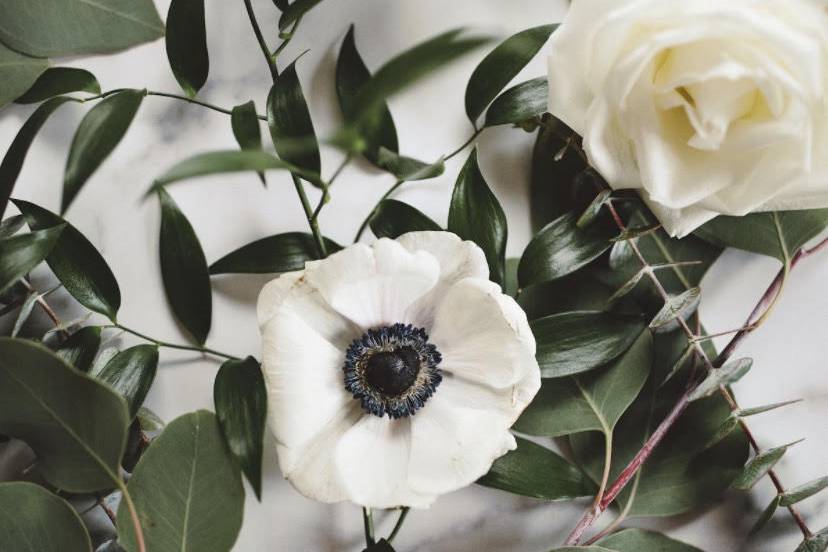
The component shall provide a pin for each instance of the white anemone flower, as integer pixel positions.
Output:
(393, 371)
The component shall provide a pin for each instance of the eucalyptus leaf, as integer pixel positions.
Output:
(575, 342)
(241, 407)
(817, 542)
(71, 27)
(130, 373)
(13, 160)
(681, 306)
(18, 72)
(186, 489)
(594, 209)
(520, 103)
(627, 288)
(726, 375)
(500, 66)
(476, 215)
(765, 516)
(639, 540)
(294, 12)
(535, 471)
(760, 465)
(745, 412)
(50, 406)
(25, 312)
(577, 292)
(77, 264)
(98, 134)
(60, 80)
(408, 168)
(394, 218)
(34, 520)
(245, 123)
(81, 348)
(274, 254)
(186, 42)
(800, 493)
(20, 254)
(289, 119)
(184, 270)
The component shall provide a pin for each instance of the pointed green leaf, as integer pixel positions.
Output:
(727, 427)
(81, 348)
(765, 516)
(575, 342)
(186, 41)
(759, 465)
(77, 264)
(11, 226)
(184, 270)
(500, 66)
(274, 254)
(241, 407)
(17, 71)
(800, 493)
(594, 208)
(476, 215)
(98, 134)
(130, 373)
(71, 27)
(20, 254)
(289, 119)
(628, 286)
(394, 218)
(745, 412)
(532, 470)
(639, 540)
(51, 406)
(25, 312)
(408, 168)
(520, 103)
(60, 80)
(34, 520)
(682, 306)
(187, 490)
(245, 123)
(726, 375)
(815, 543)
(294, 12)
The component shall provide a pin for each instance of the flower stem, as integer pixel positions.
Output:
(313, 223)
(397, 526)
(368, 522)
(271, 61)
(172, 345)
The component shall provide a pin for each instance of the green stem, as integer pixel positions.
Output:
(403, 513)
(285, 40)
(368, 522)
(367, 220)
(133, 514)
(172, 345)
(466, 144)
(312, 222)
(271, 61)
(169, 95)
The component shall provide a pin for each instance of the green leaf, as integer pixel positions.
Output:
(639, 540)
(245, 123)
(800, 493)
(351, 76)
(682, 306)
(520, 103)
(20, 254)
(72, 27)
(476, 215)
(726, 375)
(274, 254)
(394, 218)
(815, 543)
(77, 264)
(130, 373)
(765, 516)
(34, 520)
(184, 270)
(11, 226)
(289, 119)
(408, 168)
(292, 13)
(52, 407)
(760, 465)
(81, 348)
(187, 490)
(561, 248)
(591, 402)
(532, 470)
(575, 342)
(241, 407)
(500, 66)
(777, 234)
(98, 134)
(381, 545)
(745, 412)
(60, 80)
(149, 420)
(594, 209)
(17, 71)
(13, 160)
(25, 312)
(186, 43)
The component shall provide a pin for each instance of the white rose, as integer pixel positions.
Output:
(707, 107)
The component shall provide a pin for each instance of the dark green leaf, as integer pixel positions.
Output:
(800, 493)
(245, 123)
(99, 133)
(520, 103)
(77, 264)
(727, 427)
(562, 248)
(594, 208)
(241, 407)
(408, 168)
(682, 306)
(75, 425)
(81, 348)
(639, 540)
(577, 292)
(289, 119)
(131, 373)
(71, 27)
(532, 470)
(351, 76)
(627, 288)
(187, 490)
(476, 215)
(282, 5)
(25, 312)
(575, 342)
(380, 546)
(500, 66)
(759, 465)
(726, 375)
(13, 160)
(765, 516)
(274, 254)
(184, 270)
(20, 254)
(292, 13)
(594, 401)
(11, 226)
(60, 80)
(776, 234)
(394, 218)
(34, 520)
(17, 72)
(186, 41)
(815, 543)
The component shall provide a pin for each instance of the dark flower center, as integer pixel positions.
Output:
(392, 372)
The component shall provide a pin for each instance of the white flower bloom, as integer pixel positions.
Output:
(394, 371)
(706, 106)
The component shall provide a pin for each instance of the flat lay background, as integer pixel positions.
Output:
(229, 211)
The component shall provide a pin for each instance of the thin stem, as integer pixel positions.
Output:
(271, 61)
(106, 509)
(168, 345)
(44, 306)
(133, 514)
(465, 145)
(599, 496)
(397, 526)
(368, 523)
(386, 195)
(286, 40)
(312, 222)
(172, 96)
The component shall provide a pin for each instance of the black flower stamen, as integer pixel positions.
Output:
(392, 370)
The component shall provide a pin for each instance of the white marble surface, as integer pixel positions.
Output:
(228, 211)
